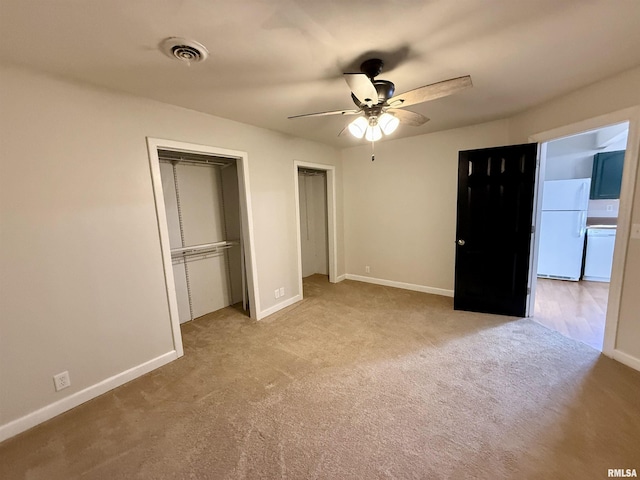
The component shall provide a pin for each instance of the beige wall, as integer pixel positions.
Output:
(82, 277)
(615, 93)
(400, 210)
(611, 95)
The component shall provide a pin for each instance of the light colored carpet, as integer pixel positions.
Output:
(357, 381)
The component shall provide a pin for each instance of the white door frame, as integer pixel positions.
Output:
(541, 161)
(631, 159)
(331, 217)
(246, 216)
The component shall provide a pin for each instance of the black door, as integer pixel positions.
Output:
(493, 234)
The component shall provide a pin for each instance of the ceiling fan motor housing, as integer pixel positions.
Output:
(372, 67)
(385, 89)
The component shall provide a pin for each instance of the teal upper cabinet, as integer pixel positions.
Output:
(606, 176)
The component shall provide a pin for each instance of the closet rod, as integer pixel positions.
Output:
(311, 173)
(203, 248)
(194, 162)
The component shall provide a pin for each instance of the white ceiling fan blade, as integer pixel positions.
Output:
(430, 92)
(362, 88)
(332, 112)
(407, 117)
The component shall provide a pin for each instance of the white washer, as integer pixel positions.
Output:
(599, 256)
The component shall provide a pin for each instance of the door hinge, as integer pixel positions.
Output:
(528, 290)
(533, 229)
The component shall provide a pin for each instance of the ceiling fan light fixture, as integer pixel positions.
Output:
(373, 97)
(373, 133)
(388, 123)
(358, 127)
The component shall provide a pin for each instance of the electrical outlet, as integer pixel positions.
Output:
(277, 293)
(282, 291)
(61, 381)
(367, 269)
(635, 231)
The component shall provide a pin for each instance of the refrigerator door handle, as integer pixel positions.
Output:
(580, 194)
(585, 195)
(582, 226)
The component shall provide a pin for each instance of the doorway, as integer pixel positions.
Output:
(315, 192)
(312, 201)
(581, 193)
(581, 183)
(201, 240)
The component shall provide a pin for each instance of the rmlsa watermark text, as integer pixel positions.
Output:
(622, 472)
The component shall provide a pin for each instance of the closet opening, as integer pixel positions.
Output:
(315, 192)
(314, 240)
(203, 216)
(202, 202)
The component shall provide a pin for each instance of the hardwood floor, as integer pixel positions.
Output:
(575, 309)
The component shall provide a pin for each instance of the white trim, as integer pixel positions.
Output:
(165, 246)
(332, 230)
(296, 188)
(246, 214)
(536, 217)
(242, 162)
(406, 286)
(596, 279)
(34, 418)
(627, 359)
(631, 115)
(279, 306)
(340, 278)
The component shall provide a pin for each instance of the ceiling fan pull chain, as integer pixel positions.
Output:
(373, 150)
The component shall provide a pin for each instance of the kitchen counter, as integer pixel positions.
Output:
(602, 222)
(605, 227)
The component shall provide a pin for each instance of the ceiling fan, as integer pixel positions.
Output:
(378, 110)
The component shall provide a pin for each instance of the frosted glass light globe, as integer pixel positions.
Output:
(358, 127)
(388, 123)
(373, 133)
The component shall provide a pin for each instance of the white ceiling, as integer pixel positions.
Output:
(273, 58)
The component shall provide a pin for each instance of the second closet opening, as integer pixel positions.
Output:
(314, 231)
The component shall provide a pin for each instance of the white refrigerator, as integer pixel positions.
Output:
(563, 227)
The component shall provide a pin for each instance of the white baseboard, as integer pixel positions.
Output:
(340, 278)
(34, 418)
(597, 279)
(627, 359)
(279, 306)
(406, 286)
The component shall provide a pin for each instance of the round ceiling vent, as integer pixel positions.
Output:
(188, 51)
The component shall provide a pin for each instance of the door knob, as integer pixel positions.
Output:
(461, 242)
